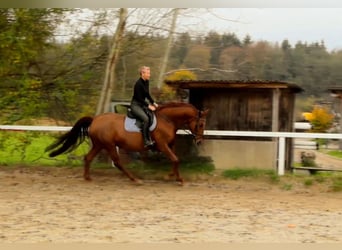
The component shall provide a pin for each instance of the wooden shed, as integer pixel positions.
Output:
(243, 106)
(336, 92)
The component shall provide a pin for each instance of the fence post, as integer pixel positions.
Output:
(281, 156)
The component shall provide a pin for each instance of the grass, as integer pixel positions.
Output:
(335, 153)
(336, 185)
(329, 181)
(238, 173)
(28, 148)
(333, 180)
(156, 166)
(287, 186)
(308, 182)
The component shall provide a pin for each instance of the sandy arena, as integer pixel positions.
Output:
(57, 205)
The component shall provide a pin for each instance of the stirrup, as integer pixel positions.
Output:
(148, 144)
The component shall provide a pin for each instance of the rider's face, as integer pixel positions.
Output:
(145, 74)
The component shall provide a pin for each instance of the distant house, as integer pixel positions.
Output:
(243, 106)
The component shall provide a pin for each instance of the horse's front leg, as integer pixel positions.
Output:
(175, 163)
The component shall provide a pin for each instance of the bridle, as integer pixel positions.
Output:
(199, 120)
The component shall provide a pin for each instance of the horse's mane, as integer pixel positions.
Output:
(175, 105)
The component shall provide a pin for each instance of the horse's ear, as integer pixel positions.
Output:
(205, 112)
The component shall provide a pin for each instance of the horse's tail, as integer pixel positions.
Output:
(72, 139)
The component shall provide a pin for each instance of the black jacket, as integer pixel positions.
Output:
(141, 92)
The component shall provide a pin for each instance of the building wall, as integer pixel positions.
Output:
(246, 110)
(236, 109)
(227, 154)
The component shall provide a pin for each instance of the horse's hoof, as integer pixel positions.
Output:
(87, 178)
(180, 182)
(138, 181)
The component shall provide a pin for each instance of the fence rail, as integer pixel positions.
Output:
(34, 128)
(227, 133)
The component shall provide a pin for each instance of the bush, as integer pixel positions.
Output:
(308, 159)
(320, 119)
(28, 148)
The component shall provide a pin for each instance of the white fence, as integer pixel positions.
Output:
(305, 144)
(280, 135)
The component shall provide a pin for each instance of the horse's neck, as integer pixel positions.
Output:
(178, 115)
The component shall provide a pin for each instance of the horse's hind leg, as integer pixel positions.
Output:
(116, 160)
(87, 160)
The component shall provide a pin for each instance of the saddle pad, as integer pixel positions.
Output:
(132, 127)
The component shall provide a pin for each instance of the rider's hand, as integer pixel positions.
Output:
(152, 107)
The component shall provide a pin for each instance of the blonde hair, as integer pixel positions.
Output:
(143, 68)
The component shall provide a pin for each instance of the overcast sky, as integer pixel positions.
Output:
(308, 25)
(276, 24)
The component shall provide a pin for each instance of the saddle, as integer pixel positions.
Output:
(133, 124)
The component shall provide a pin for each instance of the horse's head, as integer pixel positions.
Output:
(185, 114)
(197, 126)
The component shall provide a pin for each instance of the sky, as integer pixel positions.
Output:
(308, 25)
(171, 4)
(275, 24)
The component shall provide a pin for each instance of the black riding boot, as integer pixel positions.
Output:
(146, 135)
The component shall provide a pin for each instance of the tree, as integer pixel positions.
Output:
(335, 65)
(168, 47)
(232, 58)
(180, 49)
(72, 74)
(247, 41)
(25, 35)
(231, 40)
(108, 84)
(214, 41)
(198, 57)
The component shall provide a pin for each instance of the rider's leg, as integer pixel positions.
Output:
(140, 114)
(146, 135)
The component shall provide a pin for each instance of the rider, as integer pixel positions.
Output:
(139, 104)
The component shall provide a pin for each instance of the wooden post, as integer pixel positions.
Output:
(340, 110)
(275, 125)
(275, 110)
(337, 93)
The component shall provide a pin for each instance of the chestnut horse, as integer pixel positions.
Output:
(107, 131)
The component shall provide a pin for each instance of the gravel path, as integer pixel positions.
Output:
(322, 160)
(56, 205)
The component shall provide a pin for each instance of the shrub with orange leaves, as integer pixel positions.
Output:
(181, 75)
(320, 119)
(170, 94)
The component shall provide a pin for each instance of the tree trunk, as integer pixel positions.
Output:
(109, 79)
(168, 48)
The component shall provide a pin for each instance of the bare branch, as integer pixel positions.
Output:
(211, 12)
